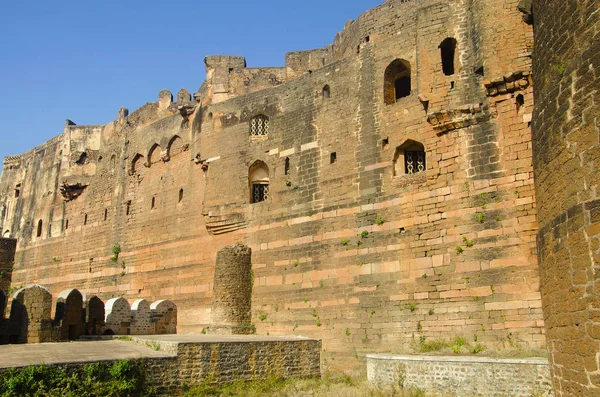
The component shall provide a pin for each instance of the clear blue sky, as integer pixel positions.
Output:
(82, 60)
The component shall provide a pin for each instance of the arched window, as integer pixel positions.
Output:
(259, 125)
(520, 101)
(409, 158)
(259, 182)
(175, 146)
(136, 164)
(39, 229)
(154, 154)
(326, 92)
(397, 83)
(6, 233)
(448, 52)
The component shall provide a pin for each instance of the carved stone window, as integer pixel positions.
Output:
(259, 182)
(409, 159)
(259, 126)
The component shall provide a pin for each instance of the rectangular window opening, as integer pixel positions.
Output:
(332, 157)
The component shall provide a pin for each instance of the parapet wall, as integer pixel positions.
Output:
(386, 196)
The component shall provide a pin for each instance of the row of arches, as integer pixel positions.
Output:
(397, 76)
(155, 154)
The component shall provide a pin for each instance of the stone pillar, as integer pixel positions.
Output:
(566, 159)
(232, 292)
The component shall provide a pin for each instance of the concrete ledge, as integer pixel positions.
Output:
(462, 375)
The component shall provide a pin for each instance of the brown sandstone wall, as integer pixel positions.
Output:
(343, 250)
(566, 159)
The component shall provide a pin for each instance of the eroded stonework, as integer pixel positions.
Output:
(384, 185)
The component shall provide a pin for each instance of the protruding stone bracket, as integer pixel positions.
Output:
(526, 7)
(514, 81)
(70, 191)
(461, 117)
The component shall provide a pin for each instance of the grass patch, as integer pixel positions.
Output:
(121, 378)
(327, 386)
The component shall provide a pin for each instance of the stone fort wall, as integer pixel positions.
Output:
(566, 120)
(347, 246)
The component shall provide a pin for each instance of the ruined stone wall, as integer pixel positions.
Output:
(566, 144)
(346, 247)
(7, 256)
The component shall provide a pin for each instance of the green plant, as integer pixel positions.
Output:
(424, 275)
(203, 332)
(345, 242)
(123, 273)
(314, 313)
(459, 250)
(55, 259)
(318, 322)
(321, 283)
(372, 312)
(480, 217)
(419, 326)
(116, 250)
(492, 288)
(411, 306)
(121, 378)
(364, 234)
(379, 220)
(288, 183)
(156, 346)
(478, 348)
(294, 325)
(431, 311)
(347, 331)
(262, 316)
(457, 343)
(126, 338)
(467, 242)
(358, 243)
(475, 298)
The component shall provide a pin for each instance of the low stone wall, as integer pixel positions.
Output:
(462, 376)
(174, 361)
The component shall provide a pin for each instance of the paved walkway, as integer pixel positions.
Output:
(79, 351)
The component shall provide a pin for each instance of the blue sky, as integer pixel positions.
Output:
(82, 60)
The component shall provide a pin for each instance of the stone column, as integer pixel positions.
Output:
(232, 292)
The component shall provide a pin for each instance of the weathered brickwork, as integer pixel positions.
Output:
(232, 292)
(8, 248)
(566, 158)
(386, 195)
(462, 376)
(75, 315)
(171, 366)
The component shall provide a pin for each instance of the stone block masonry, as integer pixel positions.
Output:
(566, 129)
(232, 298)
(385, 191)
(170, 362)
(462, 376)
